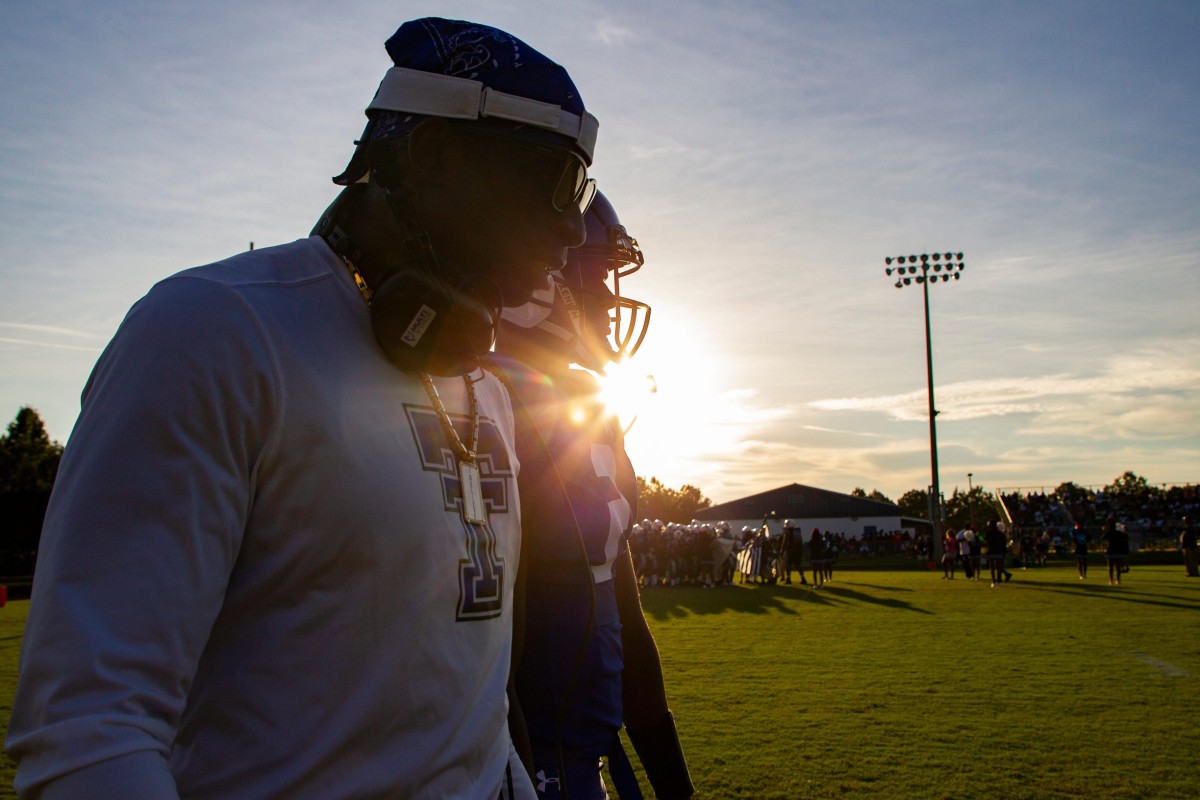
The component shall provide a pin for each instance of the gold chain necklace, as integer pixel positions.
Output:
(465, 454)
(469, 482)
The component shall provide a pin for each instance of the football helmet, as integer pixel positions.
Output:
(579, 306)
(608, 252)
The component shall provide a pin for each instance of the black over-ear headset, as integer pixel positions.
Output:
(424, 321)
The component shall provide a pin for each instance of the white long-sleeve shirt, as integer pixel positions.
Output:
(253, 580)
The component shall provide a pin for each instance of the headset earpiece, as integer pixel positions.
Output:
(423, 325)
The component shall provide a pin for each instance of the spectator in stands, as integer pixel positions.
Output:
(1026, 545)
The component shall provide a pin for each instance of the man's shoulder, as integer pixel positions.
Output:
(295, 263)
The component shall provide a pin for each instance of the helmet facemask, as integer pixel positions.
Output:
(608, 255)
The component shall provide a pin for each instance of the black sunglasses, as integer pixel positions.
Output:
(573, 187)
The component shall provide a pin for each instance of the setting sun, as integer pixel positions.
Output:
(627, 390)
(673, 394)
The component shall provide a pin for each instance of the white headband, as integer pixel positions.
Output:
(435, 95)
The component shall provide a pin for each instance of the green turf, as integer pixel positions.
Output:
(897, 684)
(12, 626)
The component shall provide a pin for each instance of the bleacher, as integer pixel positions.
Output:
(1153, 515)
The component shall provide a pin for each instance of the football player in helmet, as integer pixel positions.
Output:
(587, 662)
(578, 315)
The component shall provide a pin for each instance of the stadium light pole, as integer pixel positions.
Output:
(924, 270)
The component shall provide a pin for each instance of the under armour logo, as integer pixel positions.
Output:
(543, 781)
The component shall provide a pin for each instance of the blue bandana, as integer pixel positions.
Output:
(497, 59)
(468, 50)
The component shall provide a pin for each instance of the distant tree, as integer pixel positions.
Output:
(874, 495)
(1130, 484)
(974, 507)
(28, 465)
(656, 501)
(1070, 492)
(915, 503)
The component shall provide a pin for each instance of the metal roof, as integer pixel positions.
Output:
(802, 502)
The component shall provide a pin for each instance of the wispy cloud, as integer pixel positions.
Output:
(48, 336)
(1134, 384)
(55, 345)
(609, 32)
(839, 430)
(54, 329)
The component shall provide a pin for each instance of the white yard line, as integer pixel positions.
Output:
(1160, 665)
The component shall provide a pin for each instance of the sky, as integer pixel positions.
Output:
(767, 155)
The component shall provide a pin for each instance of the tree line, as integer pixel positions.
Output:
(28, 466)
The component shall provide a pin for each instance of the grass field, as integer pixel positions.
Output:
(897, 684)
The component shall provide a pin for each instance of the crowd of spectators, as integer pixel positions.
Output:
(1152, 515)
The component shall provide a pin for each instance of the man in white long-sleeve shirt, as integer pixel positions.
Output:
(280, 554)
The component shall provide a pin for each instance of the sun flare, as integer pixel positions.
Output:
(673, 395)
(626, 391)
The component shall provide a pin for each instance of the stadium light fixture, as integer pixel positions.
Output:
(943, 266)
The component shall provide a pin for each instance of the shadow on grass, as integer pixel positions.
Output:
(883, 588)
(842, 591)
(663, 603)
(1123, 593)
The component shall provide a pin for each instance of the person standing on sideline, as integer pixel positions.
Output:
(1117, 549)
(1080, 542)
(587, 661)
(786, 537)
(975, 540)
(816, 557)
(280, 557)
(997, 547)
(1187, 543)
(949, 554)
(796, 555)
(966, 549)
